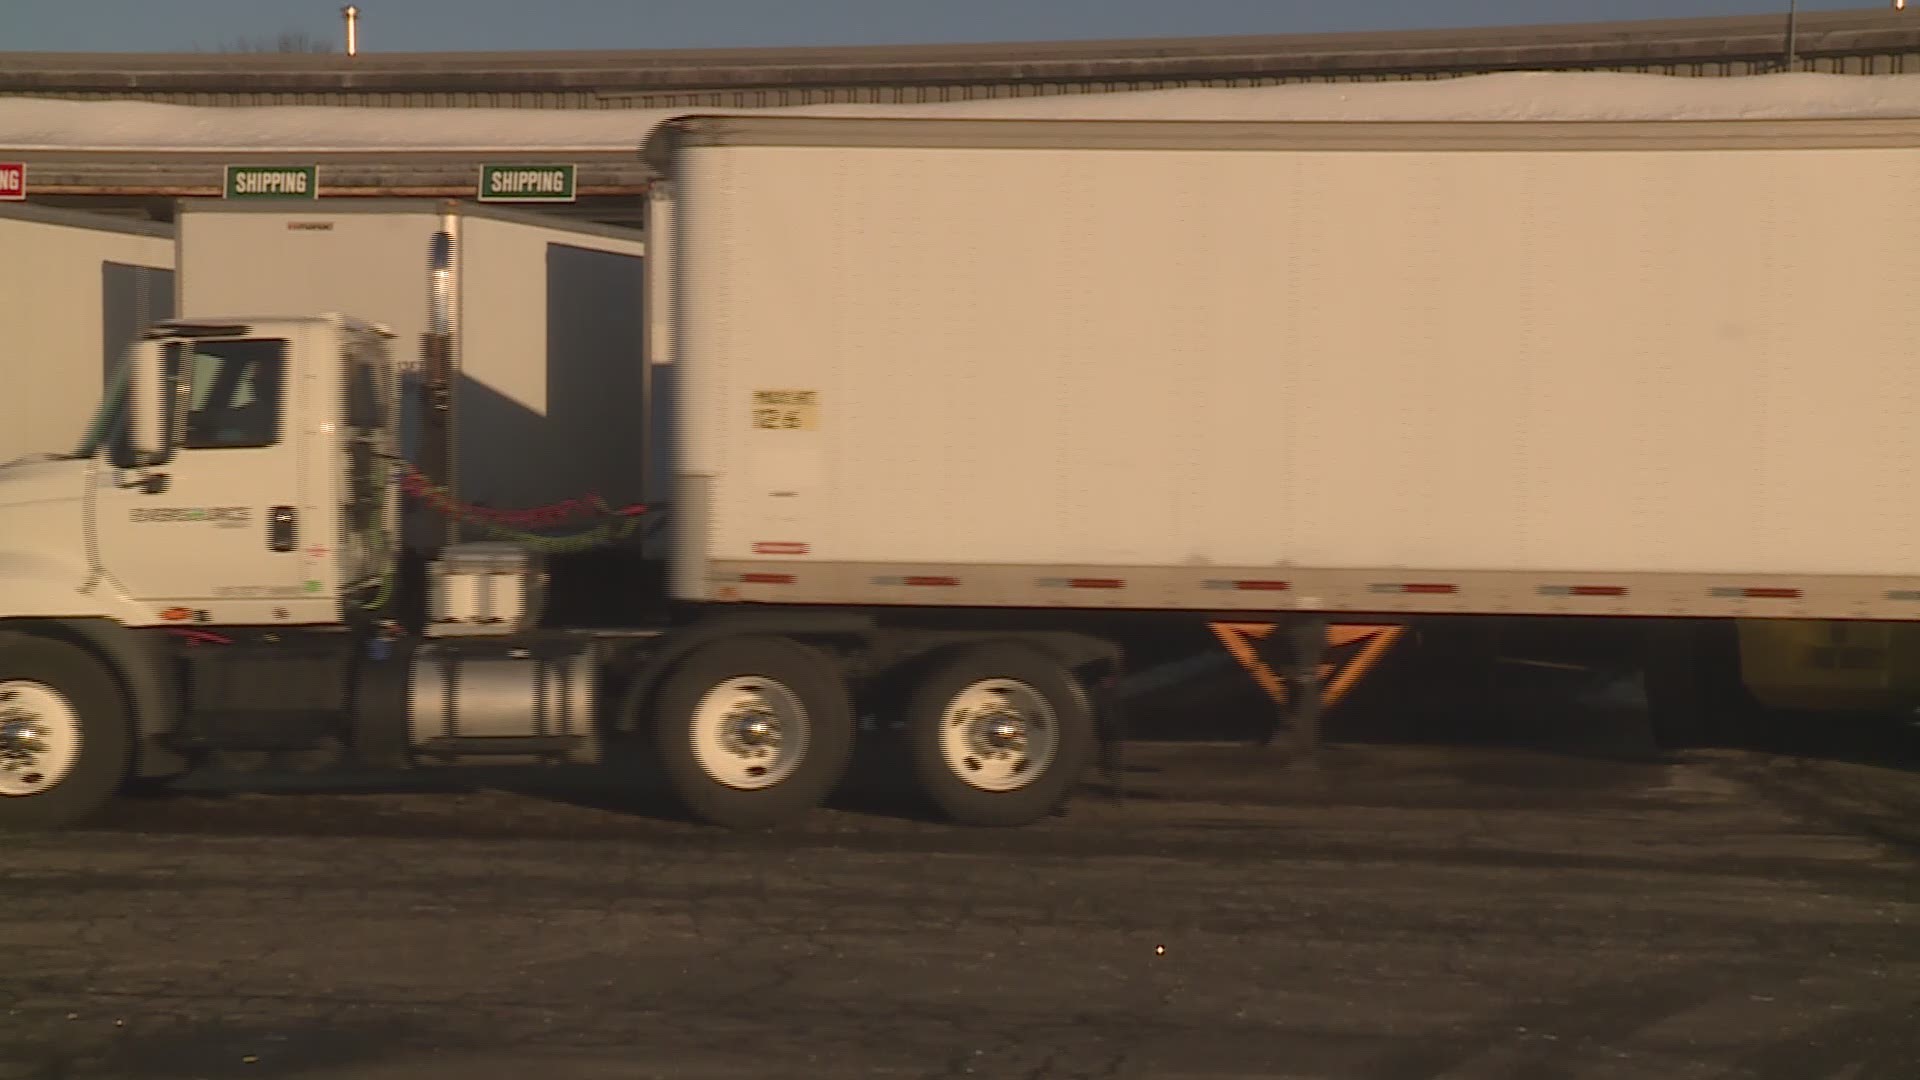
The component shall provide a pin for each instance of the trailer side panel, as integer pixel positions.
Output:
(1520, 375)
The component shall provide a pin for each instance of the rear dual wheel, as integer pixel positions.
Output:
(1000, 734)
(754, 732)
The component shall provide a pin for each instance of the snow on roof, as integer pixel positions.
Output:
(32, 124)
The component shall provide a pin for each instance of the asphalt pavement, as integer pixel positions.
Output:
(1400, 912)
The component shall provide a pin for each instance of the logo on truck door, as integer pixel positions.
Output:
(220, 517)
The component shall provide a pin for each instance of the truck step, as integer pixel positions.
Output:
(257, 730)
(268, 679)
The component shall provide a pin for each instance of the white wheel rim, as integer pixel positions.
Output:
(39, 738)
(750, 732)
(999, 735)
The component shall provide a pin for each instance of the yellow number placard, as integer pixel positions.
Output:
(786, 410)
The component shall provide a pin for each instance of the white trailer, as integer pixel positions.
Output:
(1423, 368)
(75, 290)
(959, 407)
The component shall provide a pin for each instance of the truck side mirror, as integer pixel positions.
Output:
(155, 410)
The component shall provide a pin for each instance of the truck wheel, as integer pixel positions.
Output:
(754, 732)
(1000, 734)
(63, 734)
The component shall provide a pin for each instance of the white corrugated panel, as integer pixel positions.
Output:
(248, 261)
(54, 286)
(252, 260)
(551, 403)
(1623, 360)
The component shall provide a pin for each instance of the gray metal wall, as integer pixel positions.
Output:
(131, 297)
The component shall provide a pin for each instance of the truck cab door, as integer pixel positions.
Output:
(217, 531)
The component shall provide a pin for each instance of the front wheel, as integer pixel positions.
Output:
(1000, 734)
(754, 732)
(63, 734)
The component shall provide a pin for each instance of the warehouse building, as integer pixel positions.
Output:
(1868, 42)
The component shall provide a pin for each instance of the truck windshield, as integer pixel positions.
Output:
(234, 402)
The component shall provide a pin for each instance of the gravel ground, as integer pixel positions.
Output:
(1399, 912)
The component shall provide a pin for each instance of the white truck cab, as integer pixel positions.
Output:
(236, 476)
(254, 487)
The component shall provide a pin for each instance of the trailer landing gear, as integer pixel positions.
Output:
(1297, 650)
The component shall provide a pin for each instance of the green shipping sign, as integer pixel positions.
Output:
(271, 182)
(526, 183)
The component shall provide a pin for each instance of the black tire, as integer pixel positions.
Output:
(821, 693)
(952, 794)
(105, 749)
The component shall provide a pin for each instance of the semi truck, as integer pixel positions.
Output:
(76, 288)
(959, 408)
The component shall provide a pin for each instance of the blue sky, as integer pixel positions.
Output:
(420, 25)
